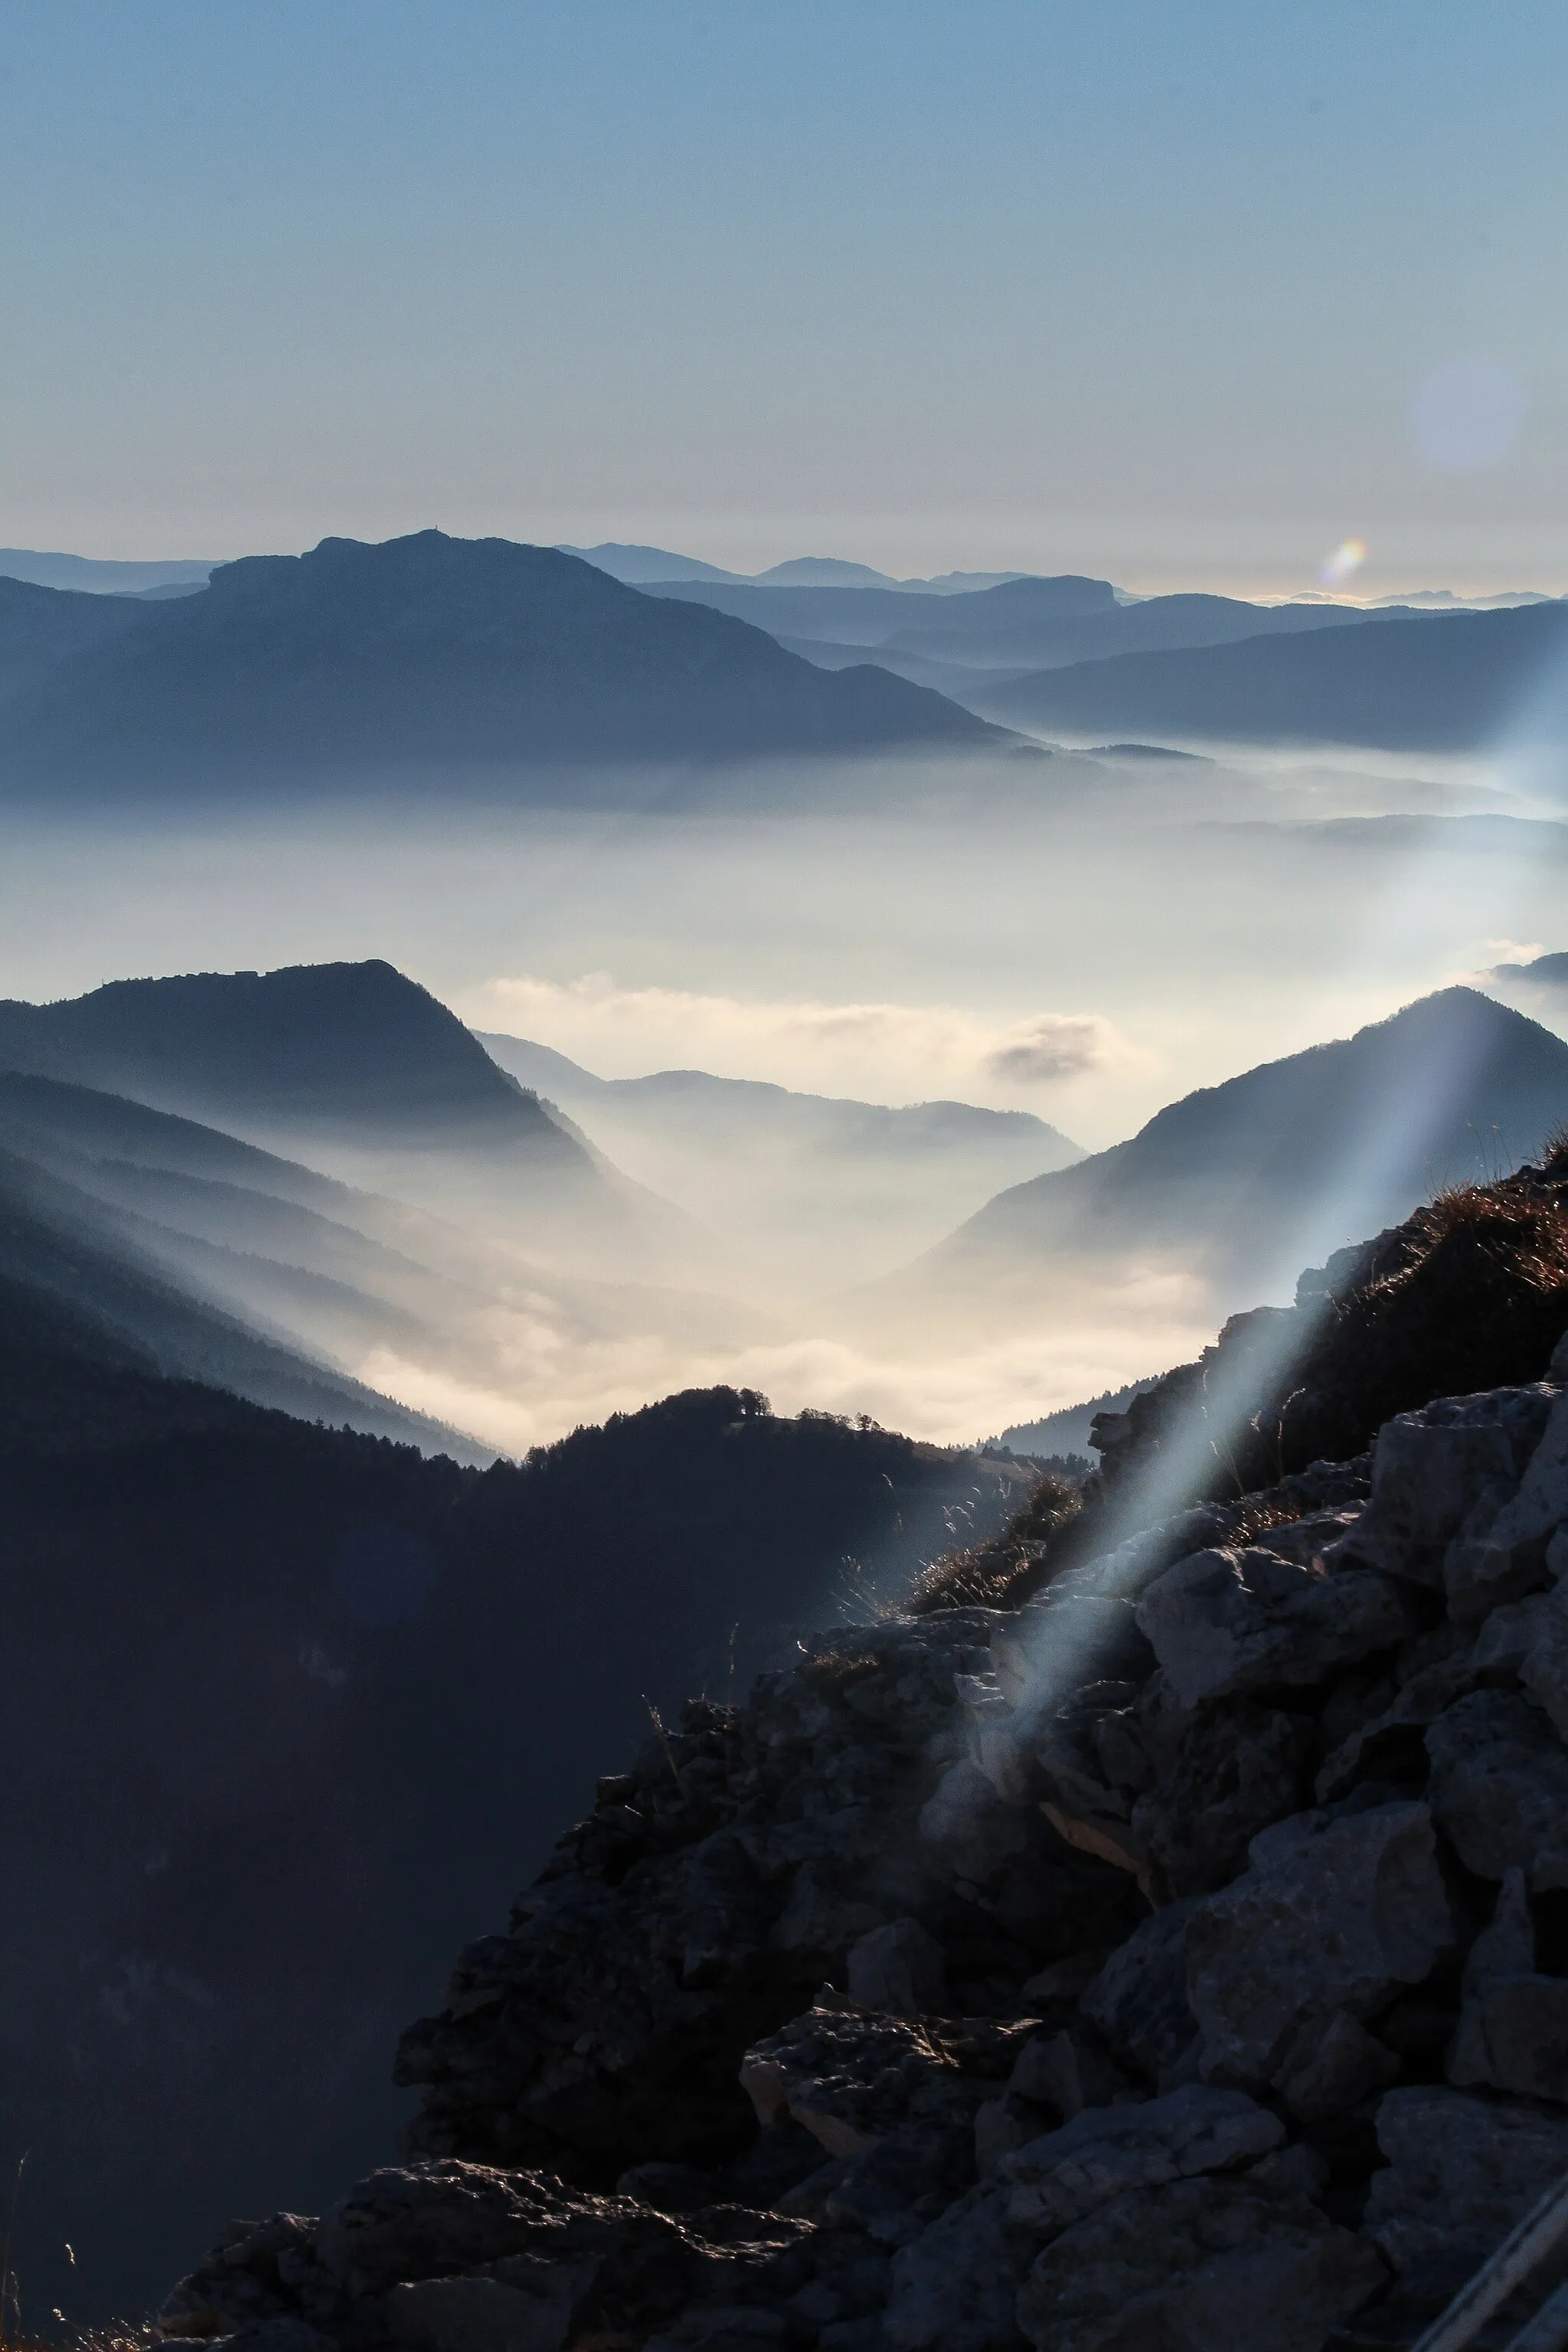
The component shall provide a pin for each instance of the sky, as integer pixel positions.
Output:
(1180, 293)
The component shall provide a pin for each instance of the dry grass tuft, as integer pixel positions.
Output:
(1005, 1571)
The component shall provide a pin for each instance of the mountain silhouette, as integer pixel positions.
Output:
(293, 1713)
(364, 1074)
(807, 1192)
(432, 655)
(1442, 682)
(340, 1044)
(1245, 1182)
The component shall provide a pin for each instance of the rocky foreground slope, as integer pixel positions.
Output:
(1176, 1958)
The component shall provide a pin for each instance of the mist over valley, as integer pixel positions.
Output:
(783, 1179)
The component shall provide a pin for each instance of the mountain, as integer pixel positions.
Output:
(42, 628)
(637, 565)
(1540, 972)
(809, 1190)
(342, 1046)
(101, 577)
(125, 1281)
(247, 1254)
(1238, 1185)
(292, 1711)
(363, 1072)
(976, 646)
(431, 654)
(872, 614)
(1446, 682)
(640, 566)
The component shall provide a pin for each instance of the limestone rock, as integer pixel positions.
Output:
(482, 2314)
(1067, 2070)
(1513, 2033)
(1506, 1946)
(1505, 1553)
(1198, 2263)
(1499, 1789)
(1241, 1766)
(1105, 2151)
(1139, 2000)
(1461, 2171)
(1333, 1916)
(853, 2078)
(954, 2288)
(1432, 1469)
(1227, 1621)
(900, 1969)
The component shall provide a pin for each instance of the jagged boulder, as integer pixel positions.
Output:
(1198, 2263)
(1439, 1477)
(1499, 1786)
(1284, 1967)
(1461, 2170)
(1228, 1621)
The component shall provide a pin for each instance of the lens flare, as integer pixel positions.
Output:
(1346, 559)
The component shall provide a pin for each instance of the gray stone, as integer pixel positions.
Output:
(1227, 1621)
(1195, 2266)
(1499, 1789)
(900, 1969)
(1461, 2171)
(972, 1824)
(1543, 1669)
(1507, 1554)
(1105, 2151)
(853, 2078)
(820, 1917)
(1428, 1468)
(1513, 2033)
(1069, 2071)
(1506, 1948)
(481, 2314)
(427, 2221)
(1139, 2000)
(1241, 1766)
(1333, 1915)
(1333, 2069)
(953, 2289)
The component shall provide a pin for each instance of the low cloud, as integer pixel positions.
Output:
(1054, 1045)
(884, 1052)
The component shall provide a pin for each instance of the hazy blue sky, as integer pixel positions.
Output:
(1146, 286)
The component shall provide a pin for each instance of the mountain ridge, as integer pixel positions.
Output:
(485, 656)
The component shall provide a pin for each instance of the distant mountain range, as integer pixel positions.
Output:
(813, 1189)
(1238, 1185)
(1540, 972)
(640, 565)
(102, 575)
(976, 648)
(423, 657)
(1441, 682)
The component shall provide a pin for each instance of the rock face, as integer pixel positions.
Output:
(1178, 1960)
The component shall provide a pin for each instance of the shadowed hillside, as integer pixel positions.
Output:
(1241, 1182)
(290, 1710)
(1447, 682)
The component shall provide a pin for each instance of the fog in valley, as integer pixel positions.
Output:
(1082, 937)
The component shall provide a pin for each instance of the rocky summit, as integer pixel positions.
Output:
(1175, 1957)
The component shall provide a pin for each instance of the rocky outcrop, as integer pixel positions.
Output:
(1179, 1959)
